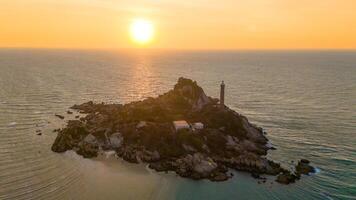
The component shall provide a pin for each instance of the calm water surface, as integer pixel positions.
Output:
(306, 101)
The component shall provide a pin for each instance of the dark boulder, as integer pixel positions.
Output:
(69, 136)
(286, 178)
(89, 147)
(219, 176)
(59, 116)
(303, 167)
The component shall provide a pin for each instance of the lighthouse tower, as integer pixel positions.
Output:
(222, 94)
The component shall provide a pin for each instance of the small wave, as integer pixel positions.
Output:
(149, 170)
(37, 112)
(12, 124)
(327, 195)
(317, 170)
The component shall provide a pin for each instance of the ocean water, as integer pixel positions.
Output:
(305, 100)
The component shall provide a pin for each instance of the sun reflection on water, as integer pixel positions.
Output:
(140, 78)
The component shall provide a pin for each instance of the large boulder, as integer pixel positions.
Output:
(303, 167)
(70, 136)
(116, 140)
(254, 133)
(200, 164)
(129, 153)
(286, 178)
(60, 145)
(150, 156)
(220, 176)
(89, 147)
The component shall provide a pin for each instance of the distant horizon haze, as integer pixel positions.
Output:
(182, 49)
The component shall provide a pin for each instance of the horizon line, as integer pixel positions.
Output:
(179, 49)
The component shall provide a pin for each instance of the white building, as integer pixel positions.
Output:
(181, 124)
(198, 126)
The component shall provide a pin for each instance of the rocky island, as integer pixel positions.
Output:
(183, 130)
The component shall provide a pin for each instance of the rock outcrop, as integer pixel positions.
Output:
(303, 167)
(116, 140)
(191, 92)
(88, 147)
(286, 178)
(142, 131)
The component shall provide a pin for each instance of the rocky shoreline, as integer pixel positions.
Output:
(143, 132)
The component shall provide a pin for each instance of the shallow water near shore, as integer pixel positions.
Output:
(305, 100)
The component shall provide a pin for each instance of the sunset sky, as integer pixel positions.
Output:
(195, 24)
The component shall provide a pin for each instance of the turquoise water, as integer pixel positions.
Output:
(305, 100)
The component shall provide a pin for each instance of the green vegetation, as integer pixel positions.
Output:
(189, 138)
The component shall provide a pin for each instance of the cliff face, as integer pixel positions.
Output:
(192, 93)
(142, 131)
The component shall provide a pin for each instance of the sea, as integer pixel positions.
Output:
(304, 100)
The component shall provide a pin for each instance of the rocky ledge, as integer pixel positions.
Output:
(143, 131)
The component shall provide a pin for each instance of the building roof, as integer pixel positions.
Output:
(181, 124)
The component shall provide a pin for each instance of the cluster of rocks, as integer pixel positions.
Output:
(196, 166)
(142, 132)
(302, 167)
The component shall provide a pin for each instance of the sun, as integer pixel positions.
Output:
(141, 31)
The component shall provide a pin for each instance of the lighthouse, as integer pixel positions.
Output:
(222, 94)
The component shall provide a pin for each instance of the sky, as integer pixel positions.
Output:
(179, 24)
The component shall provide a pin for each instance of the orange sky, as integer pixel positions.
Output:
(194, 24)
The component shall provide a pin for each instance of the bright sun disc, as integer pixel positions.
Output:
(141, 31)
